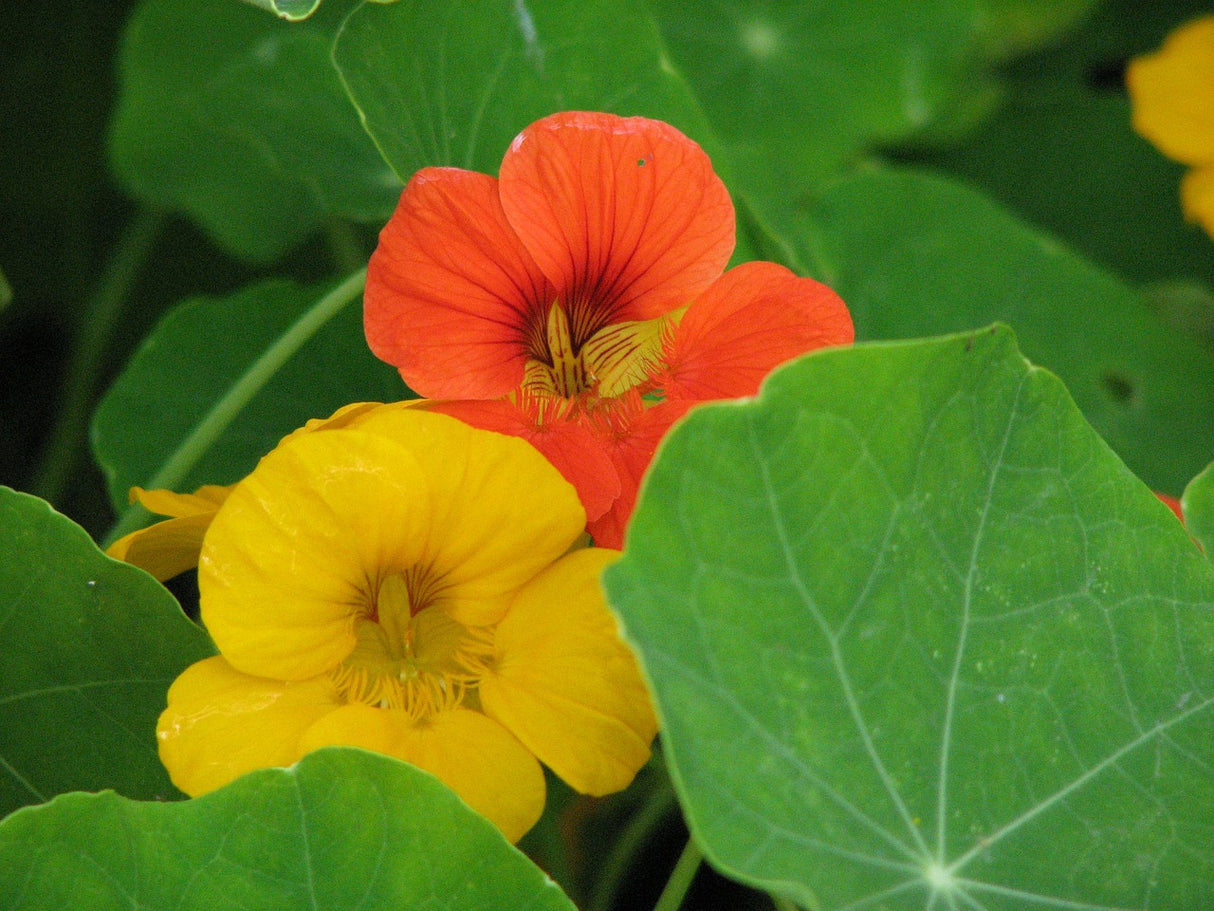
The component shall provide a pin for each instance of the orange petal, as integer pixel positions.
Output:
(221, 723)
(624, 215)
(1172, 93)
(564, 682)
(754, 318)
(571, 446)
(1172, 503)
(451, 293)
(631, 451)
(473, 755)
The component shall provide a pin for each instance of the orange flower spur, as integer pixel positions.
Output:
(578, 300)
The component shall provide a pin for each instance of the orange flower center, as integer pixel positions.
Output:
(607, 363)
(417, 659)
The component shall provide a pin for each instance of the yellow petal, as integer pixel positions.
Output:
(221, 723)
(297, 553)
(564, 682)
(205, 500)
(623, 355)
(1197, 197)
(501, 511)
(171, 547)
(1172, 93)
(473, 755)
(165, 549)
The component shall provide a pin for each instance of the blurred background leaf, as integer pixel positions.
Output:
(239, 119)
(340, 829)
(1060, 151)
(975, 665)
(90, 648)
(219, 382)
(291, 10)
(916, 255)
(453, 82)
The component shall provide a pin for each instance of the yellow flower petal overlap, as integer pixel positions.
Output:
(563, 683)
(221, 723)
(171, 547)
(405, 583)
(1172, 96)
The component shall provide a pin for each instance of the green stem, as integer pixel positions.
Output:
(681, 877)
(253, 380)
(68, 437)
(641, 827)
(783, 904)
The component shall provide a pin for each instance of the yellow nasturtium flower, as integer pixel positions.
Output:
(1172, 93)
(171, 547)
(414, 586)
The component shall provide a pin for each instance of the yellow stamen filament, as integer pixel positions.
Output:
(419, 662)
(611, 361)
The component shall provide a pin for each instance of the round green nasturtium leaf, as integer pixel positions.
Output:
(915, 255)
(799, 90)
(91, 646)
(341, 829)
(239, 119)
(221, 380)
(452, 82)
(1198, 507)
(919, 640)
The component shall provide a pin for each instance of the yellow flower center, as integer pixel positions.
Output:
(608, 362)
(409, 656)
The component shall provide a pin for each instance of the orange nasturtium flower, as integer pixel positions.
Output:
(1172, 93)
(578, 301)
(391, 585)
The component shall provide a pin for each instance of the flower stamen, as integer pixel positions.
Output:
(418, 661)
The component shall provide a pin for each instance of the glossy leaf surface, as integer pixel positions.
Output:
(919, 640)
(452, 82)
(341, 829)
(238, 119)
(1198, 503)
(90, 648)
(221, 380)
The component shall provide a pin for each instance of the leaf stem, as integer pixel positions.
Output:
(656, 807)
(253, 380)
(67, 438)
(681, 877)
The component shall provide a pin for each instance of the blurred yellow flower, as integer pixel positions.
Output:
(407, 584)
(1172, 93)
